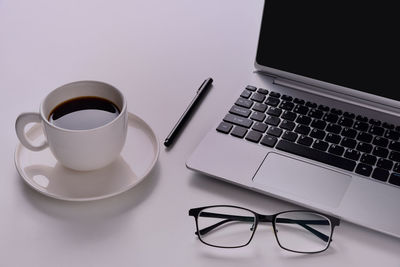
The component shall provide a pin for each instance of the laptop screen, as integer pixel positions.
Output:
(348, 43)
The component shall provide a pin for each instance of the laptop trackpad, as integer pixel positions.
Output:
(301, 181)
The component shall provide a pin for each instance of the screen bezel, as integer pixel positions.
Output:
(330, 88)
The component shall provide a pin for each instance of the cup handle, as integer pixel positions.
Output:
(22, 120)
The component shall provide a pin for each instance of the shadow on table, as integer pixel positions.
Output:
(97, 215)
(236, 194)
(347, 238)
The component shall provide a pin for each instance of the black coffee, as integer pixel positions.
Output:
(83, 113)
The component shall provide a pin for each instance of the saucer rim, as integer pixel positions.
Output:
(156, 148)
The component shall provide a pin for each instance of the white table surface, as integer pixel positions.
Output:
(157, 52)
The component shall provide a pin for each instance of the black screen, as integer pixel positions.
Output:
(349, 43)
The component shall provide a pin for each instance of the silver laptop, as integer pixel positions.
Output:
(317, 123)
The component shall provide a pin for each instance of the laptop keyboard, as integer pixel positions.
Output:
(355, 143)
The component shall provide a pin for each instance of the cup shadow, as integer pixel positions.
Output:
(94, 211)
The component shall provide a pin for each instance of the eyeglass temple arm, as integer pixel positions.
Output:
(263, 218)
(305, 225)
(227, 217)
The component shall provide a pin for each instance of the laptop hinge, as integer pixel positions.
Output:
(340, 96)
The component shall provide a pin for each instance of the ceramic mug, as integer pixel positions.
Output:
(81, 150)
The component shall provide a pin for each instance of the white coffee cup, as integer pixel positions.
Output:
(81, 150)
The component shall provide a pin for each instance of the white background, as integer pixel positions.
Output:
(157, 53)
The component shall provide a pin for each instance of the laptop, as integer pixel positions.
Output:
(317, 123)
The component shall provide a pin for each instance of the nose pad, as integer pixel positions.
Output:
(252, 228)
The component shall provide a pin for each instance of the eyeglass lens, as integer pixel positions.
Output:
(305, 232)
(226, 226)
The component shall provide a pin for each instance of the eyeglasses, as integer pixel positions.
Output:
(300, 231)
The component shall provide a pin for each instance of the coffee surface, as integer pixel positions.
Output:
(83, 113)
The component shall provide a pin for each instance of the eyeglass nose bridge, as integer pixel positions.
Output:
(265, 218)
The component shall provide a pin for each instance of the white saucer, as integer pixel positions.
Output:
(43, 173)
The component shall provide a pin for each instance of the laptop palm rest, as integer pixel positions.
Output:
(302, 181)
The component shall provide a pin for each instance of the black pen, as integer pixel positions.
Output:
(182, 120)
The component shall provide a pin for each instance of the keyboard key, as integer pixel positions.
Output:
(336, 111)
(258, 116)
(380, 141)
(349, 115)
(380, 152)
(323, 108)
(286, 105)
(300, 109)
(253, 136)
(305, 140)
(299, 101)
(375, 122)
(262, 91)
(360, 126)
(287, 98)
(320, 145)
(239, 131)
(376, 130)
(362, 118)
(311, 104)
(392, 135)
(380, 174)
(275, 94)
(274, 111)
(319, 134)
(272, 120)
(315, 113)
(350, 133)
(245, 94)
(348, 142)
(259, 126)
(352, 154)
(397, 168)
(244, 112)
(287, 125)
(336, 149)
(333, 138)
(364, 147)
(251, 88)
(346, 122)
(395, 179)
(224, 127)
(368, 159)
(288, 115)
(274, 131)
(258, 97)
(395, 156)
(303, 119)
(269, 141)
(364, 137)
(260, 107)
(290, 136)
(242, 102)
(319, 124)
(333, 128)
(394, 146)
(384, 164)
(364, 169)
(238, 120)
(302, 129)
(316, 155)
(388, 126)
(272, 101)
(330, 117)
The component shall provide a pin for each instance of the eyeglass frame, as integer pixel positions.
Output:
(261, 218)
